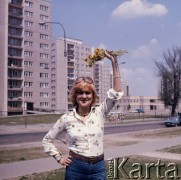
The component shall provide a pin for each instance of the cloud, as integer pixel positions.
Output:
(141, 81)
(145, 50)
(138, 8)
(102, 46)
(138, 73)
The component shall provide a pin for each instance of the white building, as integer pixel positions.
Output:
(25, 52)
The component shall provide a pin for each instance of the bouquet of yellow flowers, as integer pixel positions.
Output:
(99, 54)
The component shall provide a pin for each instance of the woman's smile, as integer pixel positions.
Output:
(84, 98)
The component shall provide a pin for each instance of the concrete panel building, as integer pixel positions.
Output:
(25, 52)
(66, 69)
(102, 80)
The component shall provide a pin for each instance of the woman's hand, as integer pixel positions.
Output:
(65, 161)
(109, 56)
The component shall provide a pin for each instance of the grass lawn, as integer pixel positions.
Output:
(20, 154)
(173, 149)
(160, 133)
(29, 119)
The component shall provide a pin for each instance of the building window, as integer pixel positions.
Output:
(43, 17)
(44, 75)
(28, 84)
(43, 8)
(28, 23)
(44, 85)
(44, 56)
(44, 36)
(53, 81)
(28, 3)
(44, 65)
(44, 46)
(28, 33)
(53, 75)
(28, 13)
(28, 44)
(28, 74)
(53, 93)
(28, 53)
(44, 26)
(44, 104)
(16, 1)
(53, 106)
(53, 57)
(53, 69)
(44, 94)
(28, 64)
(28, 94)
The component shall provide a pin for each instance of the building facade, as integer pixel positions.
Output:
(66, 69)
(102, 80)
(25, 50)
(150, 105)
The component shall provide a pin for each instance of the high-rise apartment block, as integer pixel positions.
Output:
(102, 80)
(25, 56)
(66, 69)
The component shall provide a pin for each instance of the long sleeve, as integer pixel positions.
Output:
(49, 138)
(110, 101)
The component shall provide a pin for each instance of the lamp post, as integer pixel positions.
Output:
(64, 33)
(121, 63)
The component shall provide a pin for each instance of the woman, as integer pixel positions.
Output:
(84, 128)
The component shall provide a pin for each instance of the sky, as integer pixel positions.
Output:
(145, 28)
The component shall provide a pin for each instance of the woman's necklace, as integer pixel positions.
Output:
(83, 115)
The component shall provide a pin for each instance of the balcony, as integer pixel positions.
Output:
(14, 52)
(16, 3)
(14, 66)
(18, 99)
(11, 56)
(16, 25)
(15, 46)
(15, 87)
(16, 14)
(11, 77)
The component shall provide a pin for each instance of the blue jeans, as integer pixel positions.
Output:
(80, 170)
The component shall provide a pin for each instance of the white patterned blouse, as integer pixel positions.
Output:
(83, 136)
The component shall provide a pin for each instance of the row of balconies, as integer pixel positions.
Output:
(16, 13)
(18, 67)
(14, 98)
(18, 3)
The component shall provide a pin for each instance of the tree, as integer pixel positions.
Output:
(169, 70)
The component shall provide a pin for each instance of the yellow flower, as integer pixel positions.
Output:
(99, 54)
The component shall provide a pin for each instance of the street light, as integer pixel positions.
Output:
(65, 49)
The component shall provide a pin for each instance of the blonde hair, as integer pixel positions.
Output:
(79, 87)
